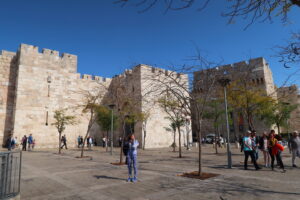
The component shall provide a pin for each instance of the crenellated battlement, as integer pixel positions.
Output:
(9, 54)
(241, 66)
(30, 49)
(159, 71)
(93, 78)
(30, 55)
(50, 52)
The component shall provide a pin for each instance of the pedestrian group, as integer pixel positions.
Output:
(271, 145)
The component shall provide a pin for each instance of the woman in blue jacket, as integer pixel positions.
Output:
(132, 158)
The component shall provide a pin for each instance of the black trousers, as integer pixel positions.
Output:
(278, 158)
(251, 154)
(64, 145)
(24, 146)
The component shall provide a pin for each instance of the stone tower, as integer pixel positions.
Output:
(34, 84)
(255, 71)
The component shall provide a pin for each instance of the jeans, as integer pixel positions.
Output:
(256, 154)
(294, 154)
(132, 162)
(251, 154)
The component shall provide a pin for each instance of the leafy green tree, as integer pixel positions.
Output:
(104, 120)
(214, 112)
(279, 114)
(176, 115)
(90, 106)
(248, 100)
(61, 121)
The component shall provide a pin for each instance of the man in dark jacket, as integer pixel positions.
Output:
(294, 147)
(64, 141)
(24, 143)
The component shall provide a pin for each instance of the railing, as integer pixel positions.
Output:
(10, 174)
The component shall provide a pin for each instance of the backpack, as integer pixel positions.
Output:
(125, 148)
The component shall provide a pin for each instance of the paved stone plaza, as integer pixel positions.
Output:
(46, 175)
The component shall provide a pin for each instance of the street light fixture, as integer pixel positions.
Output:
(187, 123)
(111, 106)
(224, 82)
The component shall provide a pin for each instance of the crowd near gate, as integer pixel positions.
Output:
(10, 174)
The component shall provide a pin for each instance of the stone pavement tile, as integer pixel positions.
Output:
(38, 186)
(97, 179)
(80, 194)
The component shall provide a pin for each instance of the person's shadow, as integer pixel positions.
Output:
(107, 177)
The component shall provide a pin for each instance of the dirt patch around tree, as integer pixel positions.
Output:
(195, 174)
(118, 163)
(85, 157)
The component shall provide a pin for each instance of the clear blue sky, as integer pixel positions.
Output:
(108, 38)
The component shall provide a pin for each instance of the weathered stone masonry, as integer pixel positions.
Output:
(34, 84)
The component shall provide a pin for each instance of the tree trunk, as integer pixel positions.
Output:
(200, 150)
(87, 132)
(122, 145)
(250, 122)
(144, 138)
(174, 141)
(278, 128)
(59, 143)
(179, 141)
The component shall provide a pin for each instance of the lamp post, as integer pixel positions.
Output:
(187, 123)
(111, 106)
(224, 82)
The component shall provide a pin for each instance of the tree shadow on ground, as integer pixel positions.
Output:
(108, 177)
(225, 167)
(228, 186)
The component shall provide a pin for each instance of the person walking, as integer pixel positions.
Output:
(30, 141)
(263, 146)
(13, 142)
(16, 142)
(33, 144)
(294, 147)
(81, 141)
(274, 151)
(78, 141)
(254, 140)
(64, 141)
(90, 142)
(24, 143)
(9, 142)
(104, 142)
(132, 158)
(241, 143)
(120, 141)
(248, 151)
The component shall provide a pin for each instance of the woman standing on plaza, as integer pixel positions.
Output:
(263, 146)
(131, 157)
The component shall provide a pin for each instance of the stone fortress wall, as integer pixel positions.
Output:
(258, 72)
(8, 71)
(139, 86)
(42, 83)
(34, 84)
(290, 95)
